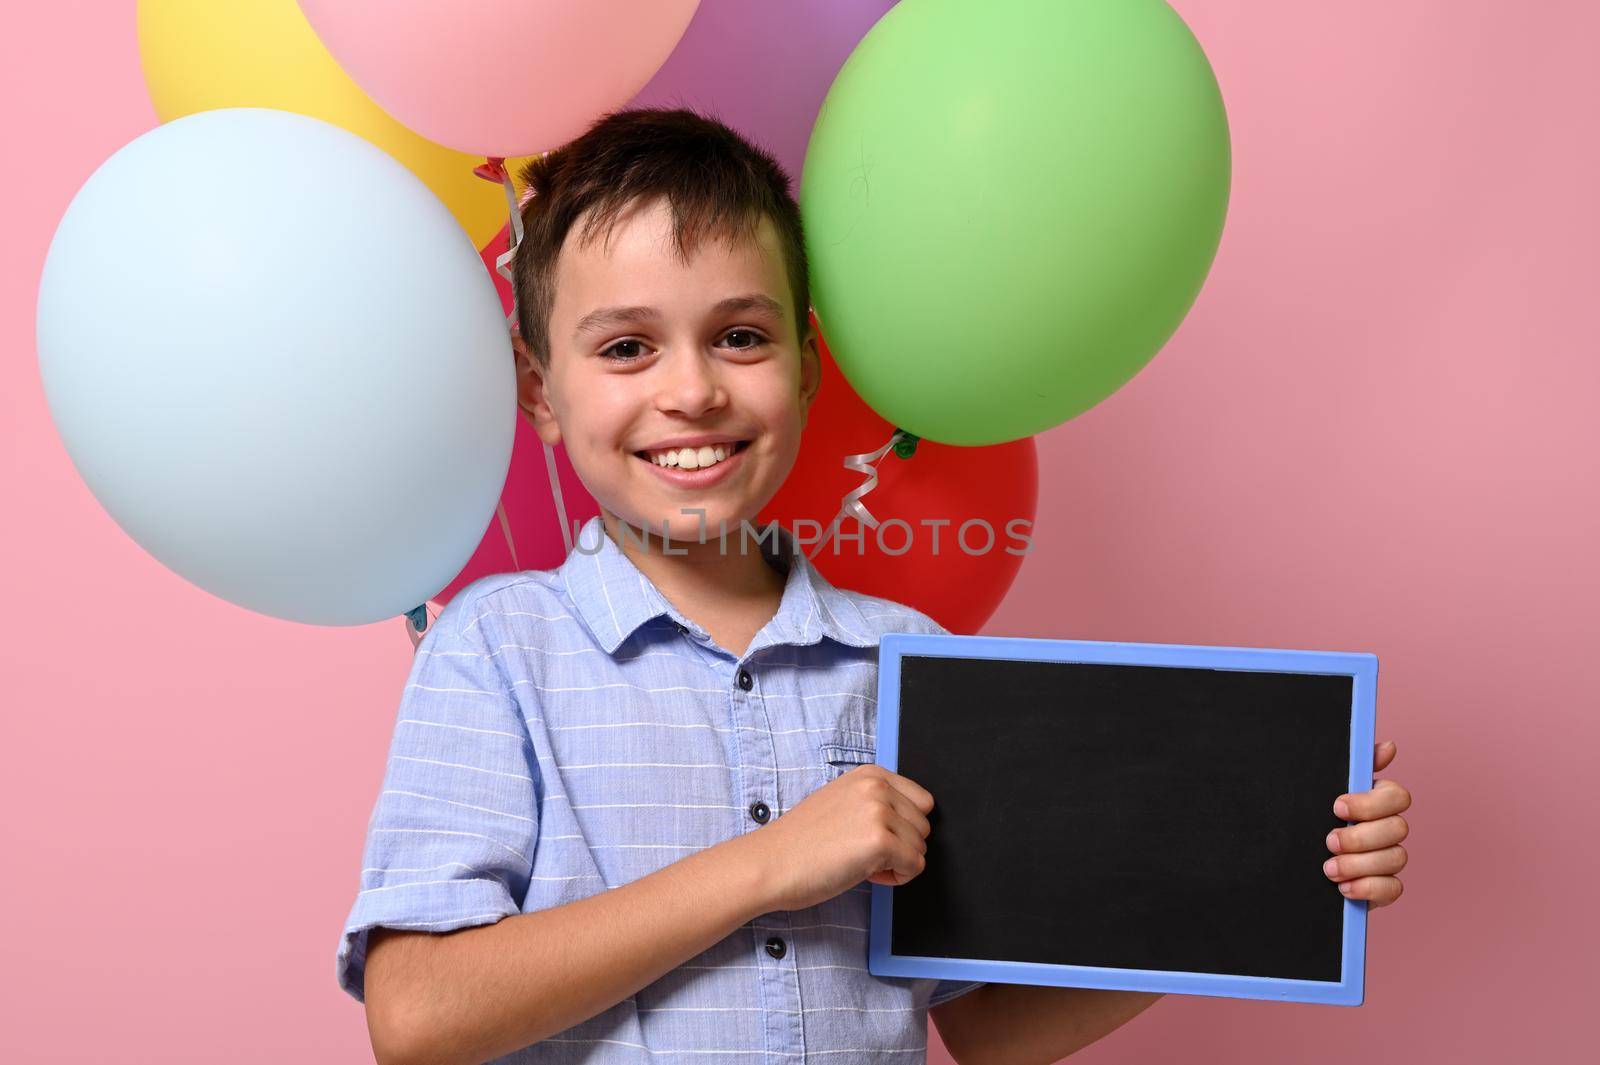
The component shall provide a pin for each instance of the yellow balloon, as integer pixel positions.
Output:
(201, 54)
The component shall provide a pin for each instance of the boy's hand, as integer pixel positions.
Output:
(1368, 855)
(868, 824)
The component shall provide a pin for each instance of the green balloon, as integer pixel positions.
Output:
(1010, 206)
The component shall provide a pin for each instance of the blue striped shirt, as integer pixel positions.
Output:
(563, 732)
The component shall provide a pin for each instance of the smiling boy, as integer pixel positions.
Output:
(630, 810)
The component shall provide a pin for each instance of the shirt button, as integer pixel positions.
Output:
(759, 812)
(680, 627)
(746, 681)
(775, 947)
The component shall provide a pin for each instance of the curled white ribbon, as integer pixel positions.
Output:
(851, 505)
(502, 262)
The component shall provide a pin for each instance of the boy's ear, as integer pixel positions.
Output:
(810, 371)
(532, 395)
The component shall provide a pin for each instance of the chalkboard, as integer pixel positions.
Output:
(1135, 816)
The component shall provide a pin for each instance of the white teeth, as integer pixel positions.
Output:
(691, 458)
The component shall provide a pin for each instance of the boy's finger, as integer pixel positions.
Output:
(1375, 890)
(1386, 797)
(1369, 835)
(920, 796)
(909, 812)
(1382, 754)
(1386, 862)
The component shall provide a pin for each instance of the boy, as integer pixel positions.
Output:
(631, 803)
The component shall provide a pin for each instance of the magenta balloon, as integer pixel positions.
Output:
(530, 510)
(531, 536)
(769, 92)
(501, 77)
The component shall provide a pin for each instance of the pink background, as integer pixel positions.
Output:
(1375, 432)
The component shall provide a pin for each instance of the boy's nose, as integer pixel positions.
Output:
(690, 385)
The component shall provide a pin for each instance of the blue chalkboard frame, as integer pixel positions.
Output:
(1350, 990)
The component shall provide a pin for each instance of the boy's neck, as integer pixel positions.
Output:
(729, 592)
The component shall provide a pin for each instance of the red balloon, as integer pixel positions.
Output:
(954, 521)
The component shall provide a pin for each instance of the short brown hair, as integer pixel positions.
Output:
(715, 181)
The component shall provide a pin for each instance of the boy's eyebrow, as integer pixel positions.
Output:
(606, 317)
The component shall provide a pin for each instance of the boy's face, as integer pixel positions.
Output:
(647, 351)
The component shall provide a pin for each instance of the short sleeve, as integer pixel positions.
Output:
(451, 838)
(945, 990)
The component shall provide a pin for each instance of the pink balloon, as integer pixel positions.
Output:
(500, 77)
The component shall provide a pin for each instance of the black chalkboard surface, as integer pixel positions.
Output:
(1143, 816)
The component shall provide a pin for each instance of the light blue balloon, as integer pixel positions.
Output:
(279, 363)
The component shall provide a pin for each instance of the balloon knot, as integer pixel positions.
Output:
(418, 616)
(906, 446)
(493, 169)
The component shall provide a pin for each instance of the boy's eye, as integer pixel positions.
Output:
(755, 339)
(621, 356)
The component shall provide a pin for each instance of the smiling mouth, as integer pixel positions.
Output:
(692, 458)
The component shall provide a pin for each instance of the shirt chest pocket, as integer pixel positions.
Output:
(839, 758)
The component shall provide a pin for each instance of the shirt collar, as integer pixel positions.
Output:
(614, 598)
